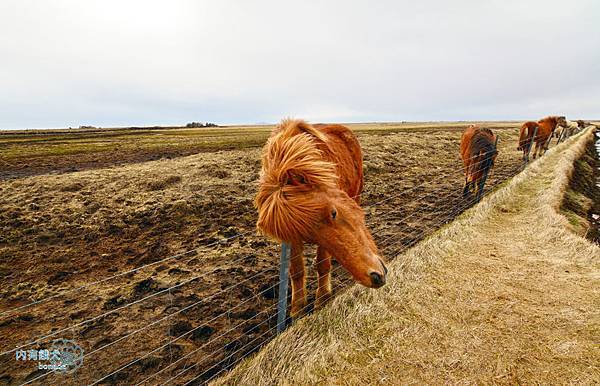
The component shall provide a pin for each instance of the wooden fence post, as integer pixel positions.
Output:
(284, 265)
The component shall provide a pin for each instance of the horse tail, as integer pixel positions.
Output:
(483, 151)
(524, 136)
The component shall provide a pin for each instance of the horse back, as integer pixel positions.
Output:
(465, 143)
(546, 127)
(343, 149)
(477, 145)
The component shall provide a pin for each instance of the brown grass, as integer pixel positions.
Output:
(505, 294)
(35, 152)
(62, 231)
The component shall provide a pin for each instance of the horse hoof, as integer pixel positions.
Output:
(322, 299)
(298, 311)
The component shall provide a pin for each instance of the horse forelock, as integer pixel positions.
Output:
(293, 169)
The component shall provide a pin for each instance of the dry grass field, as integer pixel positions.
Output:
(33, 152)
(77, 207)
(506, 294)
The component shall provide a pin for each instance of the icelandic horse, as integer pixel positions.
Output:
(478, 152)
(546, 128)
(528, 130)
(309, 187)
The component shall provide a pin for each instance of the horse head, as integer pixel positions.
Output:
(342, 231)
(299, 200)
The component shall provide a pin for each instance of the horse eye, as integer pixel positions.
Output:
(333, 214)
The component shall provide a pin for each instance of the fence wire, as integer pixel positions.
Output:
(230, 358)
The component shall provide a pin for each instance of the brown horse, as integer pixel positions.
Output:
(310, 181)
(478, 152)
(528, 129)
(546, 128)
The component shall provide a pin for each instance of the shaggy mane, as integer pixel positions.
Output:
(293, 169)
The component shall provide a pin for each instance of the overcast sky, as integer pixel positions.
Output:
(115, 63)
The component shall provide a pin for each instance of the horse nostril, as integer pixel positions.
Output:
(377, 279)
(385, 271)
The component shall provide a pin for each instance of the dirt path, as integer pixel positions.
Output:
(506, 294)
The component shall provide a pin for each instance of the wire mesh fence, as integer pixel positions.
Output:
(158, 323)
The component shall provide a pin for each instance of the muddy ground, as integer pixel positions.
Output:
(60, 232)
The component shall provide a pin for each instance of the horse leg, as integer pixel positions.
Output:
(466, 189)
(323, 264)
(298, 279)
(537, 146)
(545, 147)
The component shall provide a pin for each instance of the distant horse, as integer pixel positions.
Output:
(528, 130)
(546, 128)
(310, 181)
(566, 130)
(478, 152)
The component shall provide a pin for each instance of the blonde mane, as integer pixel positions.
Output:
(293, 169)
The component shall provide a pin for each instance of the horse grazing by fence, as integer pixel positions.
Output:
(528, 130)
(478, 152)
(310, 182)
(546, 128)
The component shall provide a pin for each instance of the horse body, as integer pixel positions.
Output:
(528, 130)
(478, 152)
(546, 128)
(309, 185)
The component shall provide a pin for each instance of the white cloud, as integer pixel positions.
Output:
(66, 63)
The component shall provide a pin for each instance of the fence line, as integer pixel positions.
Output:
(412, 238)
(140, 300)
(272, 329)
(170, 342)
(415, 239)
(463, 206)
(76, 289)
(147, 297)
(451, 172)
(181, 254)
(203, 325)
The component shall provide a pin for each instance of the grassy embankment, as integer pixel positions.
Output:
(507, 293)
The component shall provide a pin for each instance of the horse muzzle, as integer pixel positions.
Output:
(378, 278)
